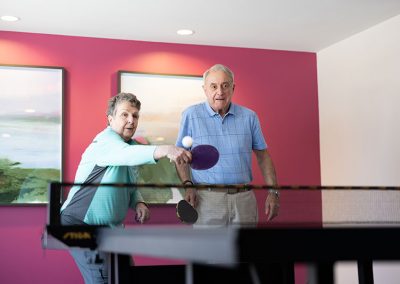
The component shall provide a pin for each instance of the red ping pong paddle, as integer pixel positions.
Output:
(186, 213)
(204, 157)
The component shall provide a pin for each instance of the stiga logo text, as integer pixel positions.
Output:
(77, 236)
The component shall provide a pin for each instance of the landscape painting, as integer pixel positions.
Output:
(164, 97)
(30, 132)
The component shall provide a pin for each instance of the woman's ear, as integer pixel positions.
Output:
(109, 119)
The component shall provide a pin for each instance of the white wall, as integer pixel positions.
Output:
(359, 109)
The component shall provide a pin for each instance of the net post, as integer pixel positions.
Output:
(54, 204)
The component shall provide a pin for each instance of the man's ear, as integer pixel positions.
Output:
(233, 87)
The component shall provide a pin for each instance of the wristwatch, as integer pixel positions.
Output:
(276, 192)
(187, 181)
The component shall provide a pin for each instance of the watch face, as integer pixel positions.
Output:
(277, 193)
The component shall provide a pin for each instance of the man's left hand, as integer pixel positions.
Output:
(271, 206)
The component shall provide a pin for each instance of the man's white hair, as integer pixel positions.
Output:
(219, 67)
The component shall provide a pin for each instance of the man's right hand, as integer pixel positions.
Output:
(191, 196)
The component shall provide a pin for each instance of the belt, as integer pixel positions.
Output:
(227, 190)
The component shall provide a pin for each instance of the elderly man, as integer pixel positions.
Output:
(236, 132)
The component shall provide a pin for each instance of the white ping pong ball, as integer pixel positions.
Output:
(187, 141)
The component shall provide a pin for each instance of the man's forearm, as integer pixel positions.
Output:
(266, 166)
(183, 171)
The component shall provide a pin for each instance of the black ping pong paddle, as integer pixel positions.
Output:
(185, 212)
(204, 157)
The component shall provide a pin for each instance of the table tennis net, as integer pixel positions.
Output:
(299, 206)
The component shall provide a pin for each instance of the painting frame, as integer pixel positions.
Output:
(31, 132)
(164, 96)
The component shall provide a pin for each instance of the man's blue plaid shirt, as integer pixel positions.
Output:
(235, 136)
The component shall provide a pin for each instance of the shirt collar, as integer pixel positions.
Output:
(211, 112)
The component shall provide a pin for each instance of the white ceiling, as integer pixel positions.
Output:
(301, 25)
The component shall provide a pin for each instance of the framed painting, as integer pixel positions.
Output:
(163, 98)
(31, 99)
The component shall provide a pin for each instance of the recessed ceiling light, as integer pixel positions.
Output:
(9, 18)
(185, 32)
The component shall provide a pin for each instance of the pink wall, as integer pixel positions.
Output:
(280, 86)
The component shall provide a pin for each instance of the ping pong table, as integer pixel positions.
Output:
(319, 247)
(229, 246)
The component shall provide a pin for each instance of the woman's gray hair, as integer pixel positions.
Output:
(219, 67)
(122, 97)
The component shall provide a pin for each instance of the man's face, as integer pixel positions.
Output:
(219, 91)
(124, 121)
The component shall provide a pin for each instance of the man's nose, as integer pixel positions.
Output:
(220, 89)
